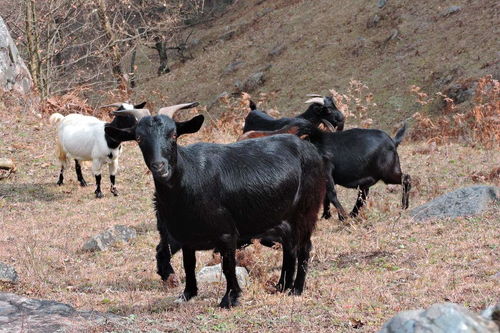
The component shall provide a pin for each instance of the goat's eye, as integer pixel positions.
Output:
(138, 139)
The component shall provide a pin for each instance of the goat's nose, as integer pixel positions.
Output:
(157, 166)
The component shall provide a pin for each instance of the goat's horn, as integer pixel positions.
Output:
(314, 95)
(113, 105)
(137, 113)
(319, 100)
(171, 110)
(328, 125)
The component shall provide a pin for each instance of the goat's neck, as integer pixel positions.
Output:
(311, 117)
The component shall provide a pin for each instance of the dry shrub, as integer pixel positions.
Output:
(479, 124)
(355, 103)
(492, 176)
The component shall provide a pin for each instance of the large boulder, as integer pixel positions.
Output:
(442, 318)
(214, 274)
(467, 201)
(13, 72)
(21, 314)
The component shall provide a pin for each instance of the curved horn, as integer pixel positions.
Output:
(117, 105)
(314, 95)
(319, 100)
(328, 125)
(171, 110)
(137, 113)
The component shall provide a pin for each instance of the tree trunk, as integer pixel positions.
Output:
(161, 47)
(34, 61)
(114, 50)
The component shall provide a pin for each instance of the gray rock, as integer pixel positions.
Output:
(21, 314)
(442, 318)
(109, 237)
(277, 50)
(7, 273)
(381, 3)
(233, 67)
(451, 10)
(14, 74)
(466, 201)
(373, 21)
(214, 274)
(227, 35)
(253, 82)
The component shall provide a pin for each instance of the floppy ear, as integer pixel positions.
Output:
(190, 126)
(120, 134)
(140, 106)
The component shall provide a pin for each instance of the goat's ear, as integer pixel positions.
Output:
(140, 106)
(120, 134)
(190, 126)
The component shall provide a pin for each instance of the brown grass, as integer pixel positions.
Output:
(360, 274)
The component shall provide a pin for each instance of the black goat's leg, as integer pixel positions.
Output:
(289, 259)
(233, 290)
(326, 208)
(406, 182)
(164, 252)
(360, 201)
(302, 264)
(331, 195)
(189, 260)
(61, 176)
(79, 175)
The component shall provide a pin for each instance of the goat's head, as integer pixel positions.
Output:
(157, 136)
(124, 120)
(324, 108)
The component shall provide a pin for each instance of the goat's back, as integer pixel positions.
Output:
(251, 185)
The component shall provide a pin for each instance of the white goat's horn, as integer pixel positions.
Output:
(109, 105)
(318, 100)
(137, 113)
(314, 95)
(171, 110)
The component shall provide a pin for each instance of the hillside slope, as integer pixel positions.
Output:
(327, 43)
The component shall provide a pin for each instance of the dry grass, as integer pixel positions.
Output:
(360, 275)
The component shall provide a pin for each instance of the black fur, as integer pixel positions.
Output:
(211, 196)
(315, 113)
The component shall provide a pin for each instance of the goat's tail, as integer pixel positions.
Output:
(400, 135)
(252, 105)
(56, 118)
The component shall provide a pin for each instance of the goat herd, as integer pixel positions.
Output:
(269, 185)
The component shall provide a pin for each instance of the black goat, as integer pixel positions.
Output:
(211, 196)
(355, 158)
(321, 108)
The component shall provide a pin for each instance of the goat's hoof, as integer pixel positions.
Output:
(295, 292)
(229, 300)
(83, 183)
(326, 215)
(59, 183)
(186, 296)
(114, 191)
(98, 194)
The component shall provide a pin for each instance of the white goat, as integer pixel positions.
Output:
(82, 138)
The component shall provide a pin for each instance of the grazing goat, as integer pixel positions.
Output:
(219, 196)
(355, 158)
(321, 108)
(82, 138)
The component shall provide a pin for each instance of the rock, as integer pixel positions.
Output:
(213, 274)
(7, 273)
(276, 51)
(21, 314)
(227, 35)
(492, 313)
(460, 93)
(253, 82)
(7, 164)
(233, 67)
(14, 74)
(381, 3)
(451, 10)
(373, 21)
(466, 201)
(217, 99)
(109, 237)
(443, 318)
